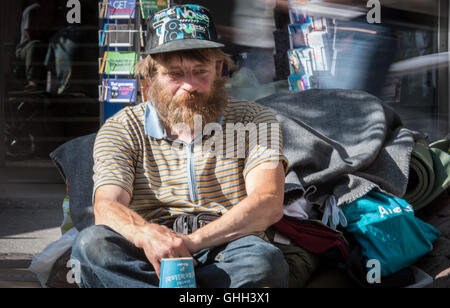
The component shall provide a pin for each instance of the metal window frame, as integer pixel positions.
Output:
(443, 123)
(2, 95)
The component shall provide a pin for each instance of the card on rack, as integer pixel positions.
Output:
(299, 82)
(121, 9)
(120, 90)
(297, 16)
(120, 63)
(300, 61)
(148, 7)
(298, 34)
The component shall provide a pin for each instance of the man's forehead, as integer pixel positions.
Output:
(177, 62)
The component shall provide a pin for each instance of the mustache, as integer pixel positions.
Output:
(189, 96)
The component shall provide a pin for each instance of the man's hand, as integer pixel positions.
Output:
(159, 242)
(262, 208)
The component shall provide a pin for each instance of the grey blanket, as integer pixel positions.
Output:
(342, 142)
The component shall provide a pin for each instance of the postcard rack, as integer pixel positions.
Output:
(121, 39)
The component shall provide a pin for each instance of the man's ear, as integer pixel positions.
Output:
(219, 68)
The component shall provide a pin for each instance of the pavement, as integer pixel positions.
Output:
(30, 219)
(31, 215)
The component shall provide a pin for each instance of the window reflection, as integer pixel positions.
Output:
(51, 81)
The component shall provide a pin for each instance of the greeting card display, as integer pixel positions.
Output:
(118, 9)
(119, 90)
(118, 63)
(149, 7)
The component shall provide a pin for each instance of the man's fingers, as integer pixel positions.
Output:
(157, 268)
(165, 244)
(184, 253)
(154, 261)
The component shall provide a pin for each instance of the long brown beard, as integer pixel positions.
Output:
(182, 109)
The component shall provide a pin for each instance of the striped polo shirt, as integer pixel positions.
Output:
(167, 177)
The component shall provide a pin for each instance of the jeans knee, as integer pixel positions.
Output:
(262, 265)
(91, 244)
(274, 268)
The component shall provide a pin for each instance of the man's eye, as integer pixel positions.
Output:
(174, 74)
(201, 72)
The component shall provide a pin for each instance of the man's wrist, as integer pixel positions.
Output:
(141, 233)
(193, 242)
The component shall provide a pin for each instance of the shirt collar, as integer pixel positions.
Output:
(152, 124)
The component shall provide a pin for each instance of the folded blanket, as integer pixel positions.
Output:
(345, 143)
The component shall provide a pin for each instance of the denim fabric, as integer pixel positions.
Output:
(109, 260)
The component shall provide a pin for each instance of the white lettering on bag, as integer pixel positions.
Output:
(397, 210)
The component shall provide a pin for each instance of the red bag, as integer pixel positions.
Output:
(313, 236)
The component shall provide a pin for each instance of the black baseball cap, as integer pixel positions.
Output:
(181, 27)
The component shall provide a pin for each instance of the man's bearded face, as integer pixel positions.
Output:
(188, 88)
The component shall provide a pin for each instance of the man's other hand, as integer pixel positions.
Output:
(160, 242)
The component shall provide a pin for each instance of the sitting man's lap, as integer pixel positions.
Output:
(109, 260)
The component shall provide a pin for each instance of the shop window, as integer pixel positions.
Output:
(49, 80)
(56, 83)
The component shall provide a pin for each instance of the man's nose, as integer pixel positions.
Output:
(189, 84)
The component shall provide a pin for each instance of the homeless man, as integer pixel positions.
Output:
(151, 165)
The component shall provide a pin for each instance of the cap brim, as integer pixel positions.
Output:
(185, 44)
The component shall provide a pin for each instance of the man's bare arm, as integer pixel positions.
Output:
(111, 209)
(262, 207)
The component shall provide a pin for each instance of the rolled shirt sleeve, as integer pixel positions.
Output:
(114, 160)
(267, 145)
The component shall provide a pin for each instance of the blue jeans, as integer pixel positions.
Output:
(109, 260)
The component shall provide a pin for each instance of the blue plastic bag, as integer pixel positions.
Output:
(387, 231)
